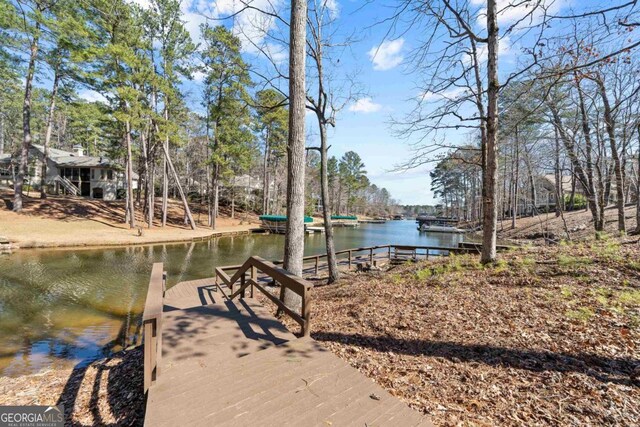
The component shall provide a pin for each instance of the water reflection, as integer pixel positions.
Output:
(71, 306)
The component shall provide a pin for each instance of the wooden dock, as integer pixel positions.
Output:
(215, 358)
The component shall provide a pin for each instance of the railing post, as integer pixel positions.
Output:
(164, 282)
(389, 252)
(148, 355)
(317, 261)
(152, 325)
(371, 256)
(254, 277)
(349, 260)
(279, 311)
(306, 314)
(243, 279)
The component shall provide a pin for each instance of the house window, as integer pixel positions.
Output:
(109, 174)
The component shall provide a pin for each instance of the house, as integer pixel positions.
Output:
(73, 173)
(545, 193)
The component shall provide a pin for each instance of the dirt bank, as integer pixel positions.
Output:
(107, 392)
(576, 225)
(70, 221)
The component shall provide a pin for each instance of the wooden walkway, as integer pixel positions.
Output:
(232, 363)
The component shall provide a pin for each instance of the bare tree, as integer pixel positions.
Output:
(453, 74)
(325, 102)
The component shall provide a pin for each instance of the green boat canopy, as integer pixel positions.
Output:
(281, 218)
(353, 217)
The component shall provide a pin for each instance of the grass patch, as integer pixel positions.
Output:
(634, 265)
(629, 298)
(566, 292)
(572, 261)
(582, 314)
(396, 279)
(611, 251)
(423, 274)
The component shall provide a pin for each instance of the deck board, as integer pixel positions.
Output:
(235, 364)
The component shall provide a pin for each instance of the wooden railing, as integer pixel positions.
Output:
(152, 324)
(388, 251)
(246, 277)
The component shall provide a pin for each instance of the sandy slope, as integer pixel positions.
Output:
(578, 223)
(66, 221)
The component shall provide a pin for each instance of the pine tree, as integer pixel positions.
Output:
(227, 103)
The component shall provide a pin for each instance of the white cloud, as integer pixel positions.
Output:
(92, 96)
(198, 76)
(278, 54)
(333, 7)
(504, 48)
(388, 55)
(144, 4)
(365, 105)
(251, 25)
(194, 14)
(511, 11)
(449, 94)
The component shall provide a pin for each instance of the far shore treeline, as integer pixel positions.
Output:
(116, 79)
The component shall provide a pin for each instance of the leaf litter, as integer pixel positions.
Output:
(546, 336)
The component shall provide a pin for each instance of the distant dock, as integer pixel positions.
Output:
(372, 221)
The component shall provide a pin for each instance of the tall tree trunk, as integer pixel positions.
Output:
(558, 176)
(490, 211)
(26, 122)
(148, 181)
(183, 197)
(233, 202)
(265, 176)
(216, 195)
(516, 177)
(131, 217)
(1, 134)
(326, 210)
(503, 203)
(165, 171)
(638, 188)
(615, 155)
(590, 188)
(577, 167)
(294, 238)
(47, 133)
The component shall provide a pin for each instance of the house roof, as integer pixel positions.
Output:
(550, 180)
(5, 159)
(246, 181)
(85, 161)
(67, 158)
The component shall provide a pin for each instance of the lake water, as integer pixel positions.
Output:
(71, 306)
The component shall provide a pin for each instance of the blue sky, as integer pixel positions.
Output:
(381, 61)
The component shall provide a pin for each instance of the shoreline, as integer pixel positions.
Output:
(66, 222)
(35, 245)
